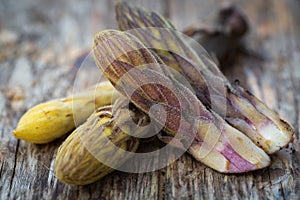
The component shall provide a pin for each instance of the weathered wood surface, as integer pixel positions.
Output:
(40, 42)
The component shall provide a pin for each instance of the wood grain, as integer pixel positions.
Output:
(42, 44)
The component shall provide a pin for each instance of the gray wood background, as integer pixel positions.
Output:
(40, 45)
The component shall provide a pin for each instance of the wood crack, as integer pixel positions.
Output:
(161, 185)
(14, 168)
(282, 191)
(296, 104)
(1, 169)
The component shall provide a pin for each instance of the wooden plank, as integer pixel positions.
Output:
(275, 81)
(39, 61)
(38, 71)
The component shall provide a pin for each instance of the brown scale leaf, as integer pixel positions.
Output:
(186, 119)
(243, 111)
